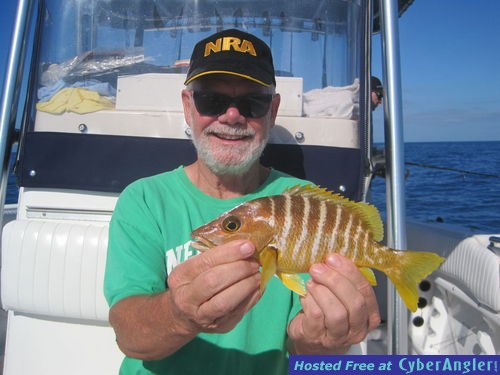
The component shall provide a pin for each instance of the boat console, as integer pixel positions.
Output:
(106, 109)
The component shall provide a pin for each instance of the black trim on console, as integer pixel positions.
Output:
(109, 163)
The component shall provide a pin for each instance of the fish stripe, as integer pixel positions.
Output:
(367, 251)
(365, 242)
(328, 224)
(287, 222)
(355, 246)
(316, 244)
(303, 228)
(308, 253)
(275, 207)
(332, 245)
(345, 239)
(272, 203)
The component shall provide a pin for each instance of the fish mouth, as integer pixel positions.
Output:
(202, 244)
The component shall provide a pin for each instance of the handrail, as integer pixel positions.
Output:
(11, 91)
(394, 145)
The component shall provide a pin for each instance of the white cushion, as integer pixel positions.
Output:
(54, 269)
(476, 269)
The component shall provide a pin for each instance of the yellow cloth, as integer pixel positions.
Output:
(75, 100)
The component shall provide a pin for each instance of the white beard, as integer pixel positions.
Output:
(229, 160)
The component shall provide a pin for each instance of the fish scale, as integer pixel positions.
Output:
(335, 225)
(291, 238)
(301, 226)
(301, 250)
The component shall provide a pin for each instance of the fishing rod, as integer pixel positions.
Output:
(453, 170)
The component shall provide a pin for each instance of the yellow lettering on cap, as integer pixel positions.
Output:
(247, 46)
(228, 43)
(231, 42)
(213, 47)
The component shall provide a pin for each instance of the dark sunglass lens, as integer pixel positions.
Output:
(215, 104)
(254, 105)
(211, 104)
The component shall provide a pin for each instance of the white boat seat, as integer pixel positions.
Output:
(462, 310)
(52, 280)
(475, 268)
(54, 269)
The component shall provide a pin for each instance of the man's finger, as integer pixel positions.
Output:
(219, 278)
(232, 251)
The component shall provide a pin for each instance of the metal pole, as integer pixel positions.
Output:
(11, 90)
(394, 143)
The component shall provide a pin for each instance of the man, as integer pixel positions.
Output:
(377, 92)
(207, 314)
(378, 156)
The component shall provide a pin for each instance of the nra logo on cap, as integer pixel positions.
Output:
(230, 43)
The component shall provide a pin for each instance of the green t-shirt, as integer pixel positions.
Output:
(150, 234)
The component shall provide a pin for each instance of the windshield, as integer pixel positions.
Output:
(315, 43)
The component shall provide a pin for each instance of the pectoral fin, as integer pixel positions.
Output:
(293, 282)
(268, 260)
(369, 275)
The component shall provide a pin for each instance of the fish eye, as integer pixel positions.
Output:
(231, 224)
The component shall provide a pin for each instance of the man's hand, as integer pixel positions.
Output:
(339, 309)
(210, 292)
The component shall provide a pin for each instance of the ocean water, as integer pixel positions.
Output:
(457, 194)
(457, 183)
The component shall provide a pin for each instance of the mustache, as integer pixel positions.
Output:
(229, 131)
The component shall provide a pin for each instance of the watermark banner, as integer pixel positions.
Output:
(394, 364)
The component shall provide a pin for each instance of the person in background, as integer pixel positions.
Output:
(377, 92)
(378, 154)
(178, 312)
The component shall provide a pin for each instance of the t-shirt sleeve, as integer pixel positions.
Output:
(135, 259)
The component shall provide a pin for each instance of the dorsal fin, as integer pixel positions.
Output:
(368, 213)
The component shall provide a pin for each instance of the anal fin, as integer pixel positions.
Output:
(268, 259)
(293, 282)
(369, 275)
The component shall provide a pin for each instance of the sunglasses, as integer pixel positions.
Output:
(380, 94)
(214, 104)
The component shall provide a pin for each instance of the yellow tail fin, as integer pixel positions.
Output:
(408, 270)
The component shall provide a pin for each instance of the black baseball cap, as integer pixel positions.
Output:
(376, 85)
(233, 52)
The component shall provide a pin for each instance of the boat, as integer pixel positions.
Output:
(92, 102)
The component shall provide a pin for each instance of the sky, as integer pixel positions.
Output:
(450, 69)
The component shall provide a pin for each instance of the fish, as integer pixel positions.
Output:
(302, 225)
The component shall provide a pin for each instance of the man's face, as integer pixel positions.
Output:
(229, 142)
(376, 100)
